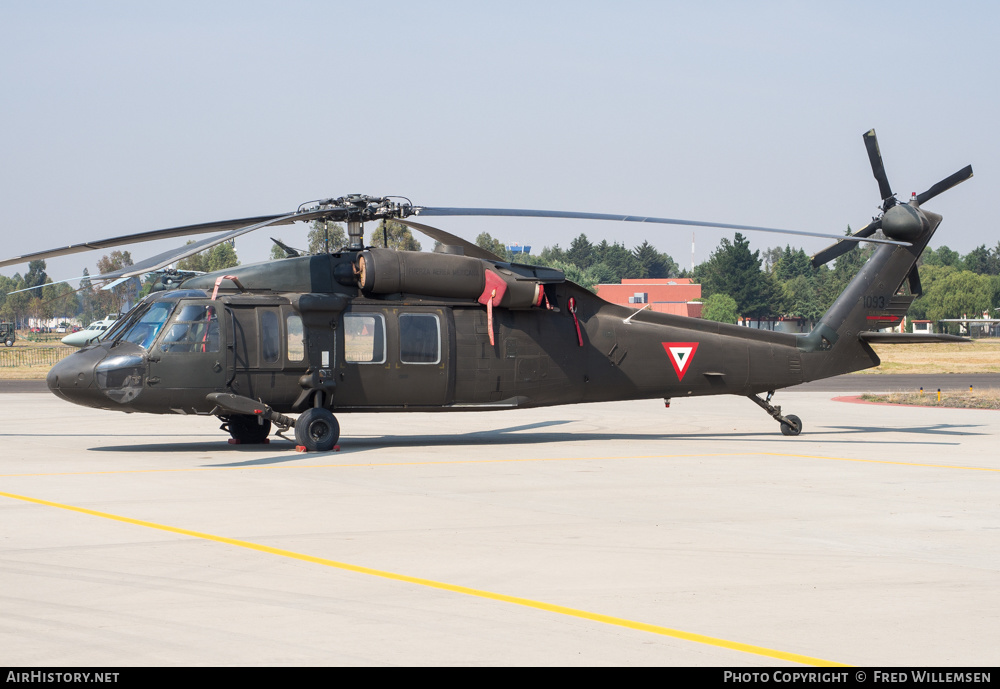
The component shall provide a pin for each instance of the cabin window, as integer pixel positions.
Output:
(195, 328)
(295, 342)
(419, 338)
(270, 336)
(364, 338)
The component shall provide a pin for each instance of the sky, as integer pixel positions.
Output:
(122, 117)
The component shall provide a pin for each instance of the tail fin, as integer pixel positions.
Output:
(873, 300)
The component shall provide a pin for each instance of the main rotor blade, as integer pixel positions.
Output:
(470, 249)
(842, 247)
(173, 255)
(878, 169)
(524, 213)
(182, 231)
(945, 184)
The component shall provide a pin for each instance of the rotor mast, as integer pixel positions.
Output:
(355, 235)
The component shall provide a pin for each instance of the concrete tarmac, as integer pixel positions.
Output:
(606, 534)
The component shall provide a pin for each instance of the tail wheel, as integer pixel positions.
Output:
(248, 430)
(793, 425)
(317, 430)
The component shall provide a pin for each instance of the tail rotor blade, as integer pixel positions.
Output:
(878, 169)
(945, 184)
(840, 248)
(914, 278)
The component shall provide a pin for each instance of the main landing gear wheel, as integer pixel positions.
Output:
(9, 342)
(248, 430)
(792, 425)
(317, 430)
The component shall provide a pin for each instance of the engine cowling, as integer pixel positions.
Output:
(385, 271)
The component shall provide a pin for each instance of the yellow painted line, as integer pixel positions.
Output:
(452, 588)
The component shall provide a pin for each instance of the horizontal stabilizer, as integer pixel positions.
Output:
(909, 338)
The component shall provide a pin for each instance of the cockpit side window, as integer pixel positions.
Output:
(270, 336)
(295, 343)
(195, 328)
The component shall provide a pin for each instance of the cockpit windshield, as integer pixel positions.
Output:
(141, 325)
(144, 330)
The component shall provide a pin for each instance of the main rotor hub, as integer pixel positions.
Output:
(357, 209)
(360, 208)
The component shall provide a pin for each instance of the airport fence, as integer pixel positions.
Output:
(16, 357)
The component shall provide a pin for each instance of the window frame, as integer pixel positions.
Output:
(378, 318)
(437, 325)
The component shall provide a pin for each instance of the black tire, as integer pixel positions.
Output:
(793, 427)
(247, 430)
(9, 342)
(317, 430)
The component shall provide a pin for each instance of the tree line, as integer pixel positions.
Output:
(778, 282)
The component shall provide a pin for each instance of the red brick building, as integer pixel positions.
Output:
(667, 295)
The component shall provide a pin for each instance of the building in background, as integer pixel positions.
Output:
(667, 295)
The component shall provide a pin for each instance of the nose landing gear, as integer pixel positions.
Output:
(790, 425)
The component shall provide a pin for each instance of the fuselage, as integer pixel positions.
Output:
(409, 352)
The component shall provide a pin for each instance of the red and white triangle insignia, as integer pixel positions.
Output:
(681, 354)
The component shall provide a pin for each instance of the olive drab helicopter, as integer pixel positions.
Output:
(372, 329)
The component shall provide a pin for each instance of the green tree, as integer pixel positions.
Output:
(325, 238)
(15, 306)
(941, 257)
(277, 253)
(397, 235)
(960, 294)
(734, 270)
(219, 257)
(770, 258)
(588, 279)
(848, 265)
(486, 241)
(800, 298)
(550, 255)
(792, 264)
(720, 307)
(115, 299)
(581, 252)
(930, 275)
(36, 274)
(652, 264)
(59, 300)
(85, 298)
(982, 261)
(622, 262)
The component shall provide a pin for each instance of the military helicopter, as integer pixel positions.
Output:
(371, 329)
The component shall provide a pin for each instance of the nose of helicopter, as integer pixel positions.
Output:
(95, 376)
(73, 378)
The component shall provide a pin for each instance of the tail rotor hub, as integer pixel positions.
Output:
(904, 223)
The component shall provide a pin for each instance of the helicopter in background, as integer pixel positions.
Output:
(81, 338)
(372, 329)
